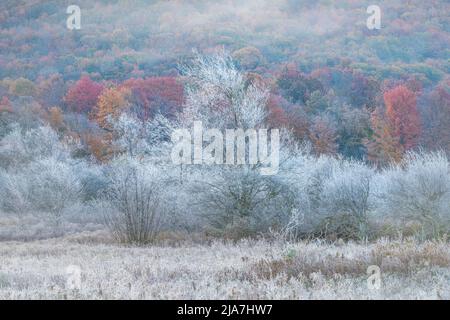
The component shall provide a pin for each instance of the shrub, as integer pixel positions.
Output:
(241, 203)
(332, 198)
(134, 199)
(345, 201)
(39, 175)
(418, 189)
(20, 147)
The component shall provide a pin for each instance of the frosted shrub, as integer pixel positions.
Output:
(239, 202)
(46, 187)
(345, 201)
(306, 177)
(332, 197)
(52, 186)
(133, 195)
(39, 174)
(418, 190)
(21, 147)
(93, 180)
(14, 193)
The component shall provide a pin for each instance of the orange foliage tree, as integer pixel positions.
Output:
(384, 145)
(56, 118)
(99, 145)
(402, 114)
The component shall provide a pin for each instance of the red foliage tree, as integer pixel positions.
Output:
(155, 95)
(5, 105)
(402, 114)
(83, 95)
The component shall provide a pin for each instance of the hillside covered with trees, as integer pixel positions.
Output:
(356, 120)
(346, 89)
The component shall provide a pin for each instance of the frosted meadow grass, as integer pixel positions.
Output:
(223, 270)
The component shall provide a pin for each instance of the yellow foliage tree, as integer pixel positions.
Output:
(111, 103)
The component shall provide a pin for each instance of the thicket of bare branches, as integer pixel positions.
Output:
(134, 204)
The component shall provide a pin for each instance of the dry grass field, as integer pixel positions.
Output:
(222, 270)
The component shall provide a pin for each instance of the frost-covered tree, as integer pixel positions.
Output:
(129, 134)
(232, 200)
(221, 96)
(135, 138)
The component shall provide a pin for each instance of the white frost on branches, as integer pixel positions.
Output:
(220, 96)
